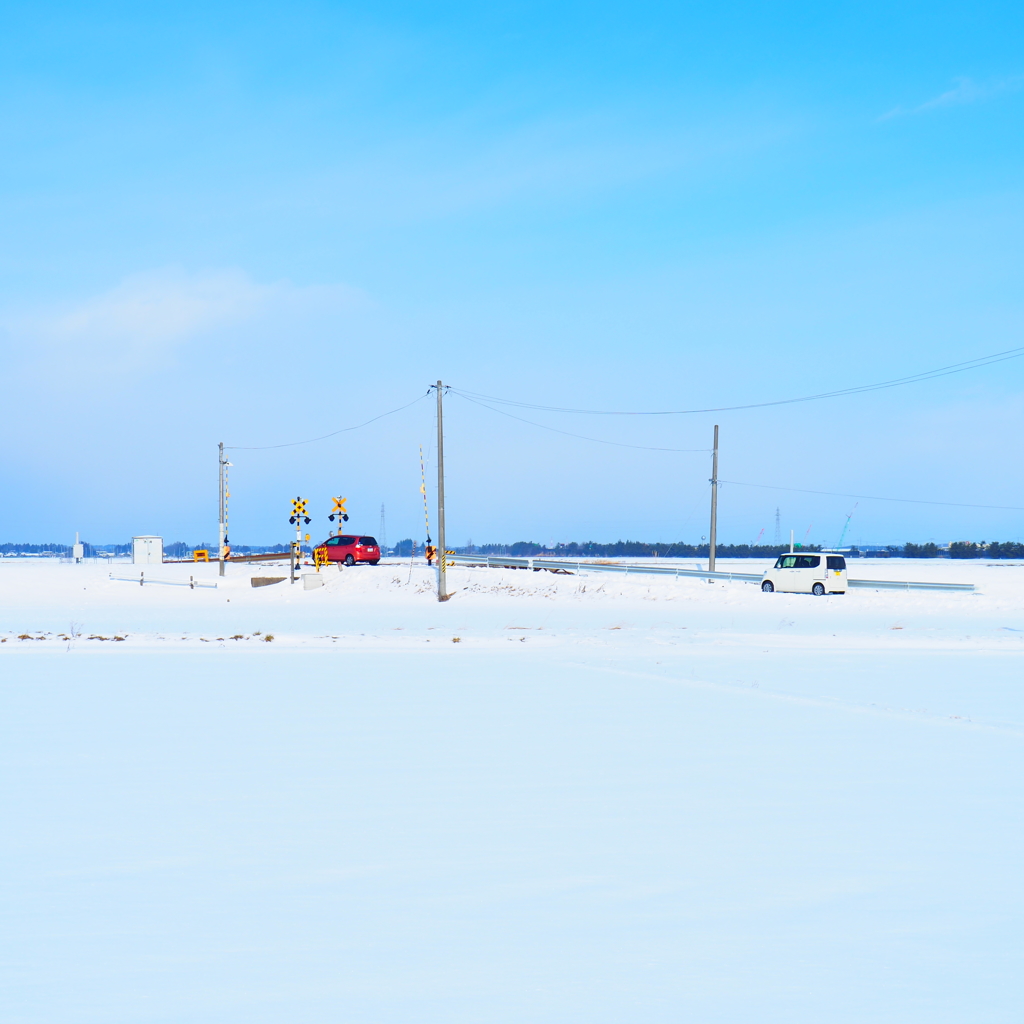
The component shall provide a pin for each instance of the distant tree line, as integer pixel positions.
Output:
(176, 549)
(179, 549)
(921, 551)
(573, 549)
(640, 549)
(629, 549)
(35, 549)
(63, 550)
(968, 549)
(963, 549)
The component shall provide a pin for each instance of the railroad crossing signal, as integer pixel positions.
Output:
(299, 511)
(339, 510)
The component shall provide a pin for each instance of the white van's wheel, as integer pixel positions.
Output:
(818, 590)
(767, 586)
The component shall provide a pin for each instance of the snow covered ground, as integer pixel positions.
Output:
(552, 799)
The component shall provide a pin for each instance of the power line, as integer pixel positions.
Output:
(599, 440)
(874, 497)
(323, 437)
(942, 371)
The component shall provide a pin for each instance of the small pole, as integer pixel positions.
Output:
(426, 509)
(791, 542)
(222, 529)
(442, 555)
(714, 504)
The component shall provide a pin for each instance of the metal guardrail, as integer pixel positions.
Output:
(491, 561)
(909, 585)
(561, 565)
(190, 582)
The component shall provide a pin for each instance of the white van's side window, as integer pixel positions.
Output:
(798, 562)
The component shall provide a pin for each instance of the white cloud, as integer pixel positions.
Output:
(965, 91)
(156, 308)
(147, 316)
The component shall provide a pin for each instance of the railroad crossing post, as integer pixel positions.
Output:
(297, 517)
(714, 504)
(339, 512)
(442, 561)
(222, 530)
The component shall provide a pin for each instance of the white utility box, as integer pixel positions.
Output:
(147, 550)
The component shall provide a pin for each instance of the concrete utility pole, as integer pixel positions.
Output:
(223, 528)
(442, 554)
(714, 504)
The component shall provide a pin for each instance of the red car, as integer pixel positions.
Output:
(351, 550)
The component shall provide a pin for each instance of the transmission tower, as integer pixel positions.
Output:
(383, 529)
(846, 526)
(778, 527)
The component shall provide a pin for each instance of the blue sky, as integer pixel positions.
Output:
(258, 224)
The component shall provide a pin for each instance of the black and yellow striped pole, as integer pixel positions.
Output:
(428, 547)
(442, 562)
(297, 517)
(222, 538)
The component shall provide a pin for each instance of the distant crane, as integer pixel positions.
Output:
(759, 536)
(846, 525)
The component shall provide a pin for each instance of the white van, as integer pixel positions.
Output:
(818, 573)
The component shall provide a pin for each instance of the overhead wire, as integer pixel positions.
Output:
(942, 371)
(568, 433)
(872, 497)
(481, 399)
(323, 437)
(485, 400)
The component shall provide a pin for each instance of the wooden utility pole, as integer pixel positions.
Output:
(442, 553)
(714, 504)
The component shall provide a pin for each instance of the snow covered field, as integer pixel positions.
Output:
(553, 799)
